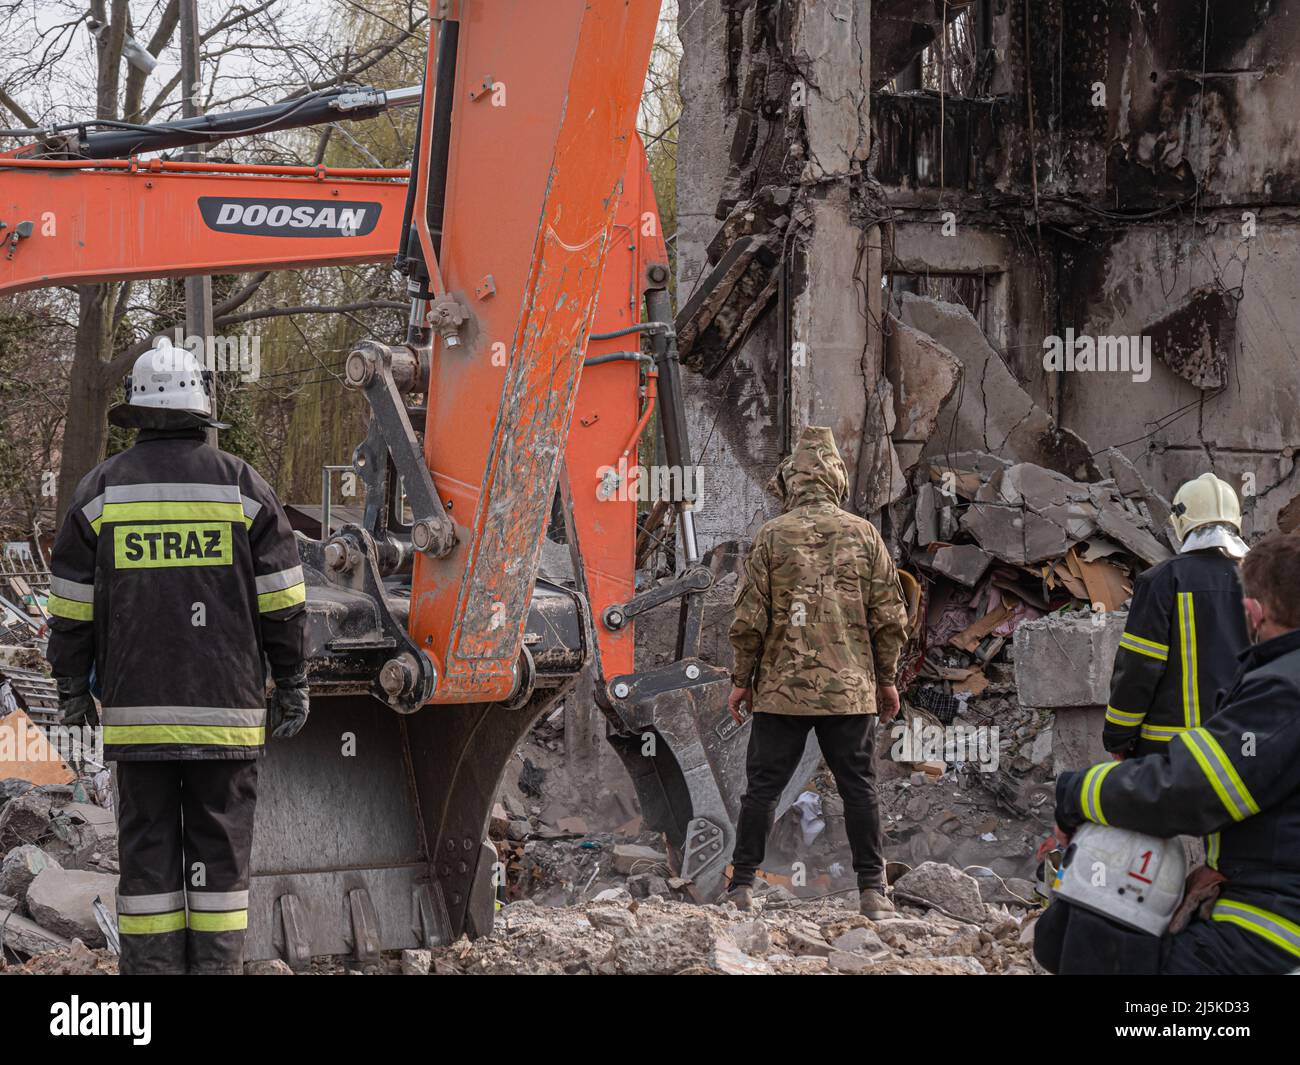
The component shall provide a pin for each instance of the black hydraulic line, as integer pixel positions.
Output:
(672, 415)
(211, 128)
(440, 133)
(410, 257)
(644, 327)
(619, 356)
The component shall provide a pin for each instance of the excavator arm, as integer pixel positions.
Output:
(528, 235)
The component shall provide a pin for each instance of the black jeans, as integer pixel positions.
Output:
(776, 741)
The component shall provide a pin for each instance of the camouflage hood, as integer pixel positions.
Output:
(812, 473)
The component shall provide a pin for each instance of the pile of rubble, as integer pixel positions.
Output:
(943, 926)
(1004, 516)
(58, 876)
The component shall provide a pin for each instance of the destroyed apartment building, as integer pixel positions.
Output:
(1031, 263)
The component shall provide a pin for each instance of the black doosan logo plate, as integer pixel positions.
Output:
(289, 218)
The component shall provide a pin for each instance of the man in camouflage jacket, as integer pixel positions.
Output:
(820, 622)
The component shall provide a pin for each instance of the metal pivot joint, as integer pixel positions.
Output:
(383, 374)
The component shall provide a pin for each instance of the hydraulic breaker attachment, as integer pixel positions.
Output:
(686, 756)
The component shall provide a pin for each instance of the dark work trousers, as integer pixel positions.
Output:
(776, 742)
(1072, 941)
(185, 835)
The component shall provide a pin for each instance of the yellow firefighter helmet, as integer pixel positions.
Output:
(1205, 500)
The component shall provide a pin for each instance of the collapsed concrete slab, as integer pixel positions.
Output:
(62, 901)
(20, 867)
(1063, 663)
(1065, 660)
(1027, 514)
(923, 375)
(991, 412)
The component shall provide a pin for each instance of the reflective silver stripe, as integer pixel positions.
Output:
(276, 582)
(217, 901)
(66, 589)
(252, 508)
(1227, 785)
(185, 715)
(172, 492)
(94, 509)
(146, 904)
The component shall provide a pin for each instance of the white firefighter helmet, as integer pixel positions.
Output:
(1205, 500)
(170, 378)
(1134, 879)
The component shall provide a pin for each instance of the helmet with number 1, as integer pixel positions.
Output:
(1132, 878)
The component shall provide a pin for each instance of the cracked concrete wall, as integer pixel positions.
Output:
(803, 121)
(1182, 175)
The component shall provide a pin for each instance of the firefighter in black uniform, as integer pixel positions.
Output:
(1185, 627)
(175, 583)
(1237, 779)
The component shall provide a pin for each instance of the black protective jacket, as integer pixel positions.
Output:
(1186, 627)
(175, 575)
(1235, 780)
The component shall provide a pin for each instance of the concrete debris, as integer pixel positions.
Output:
(963, 563)
(1066, 660)
(416, 962)
(20, 867)
(661, 937)
(949, 890)
(1063, 665)
(269, 967)
(62, 901)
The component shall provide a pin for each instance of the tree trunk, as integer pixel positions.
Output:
(85, 429)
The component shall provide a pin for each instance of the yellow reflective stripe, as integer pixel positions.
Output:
(1187, 648)
(150, 924)
(1124, 717)
(1163, 733)
(1090, 793)
(1137, 649)
(292, 596)
(1277, 930)
(164, 510)
(69, 608)
(210, 735)
(1161, 650)
(1212, 844)
(230, 921)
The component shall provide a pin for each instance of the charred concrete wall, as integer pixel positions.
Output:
(1126, 172)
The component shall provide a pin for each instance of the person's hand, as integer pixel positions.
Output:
(739, 697)
(1199, 895)
(887, 702)
(1058, 840)
(76, 704)
(288, 706)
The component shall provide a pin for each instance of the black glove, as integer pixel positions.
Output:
(76, 704)
(287, 706)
